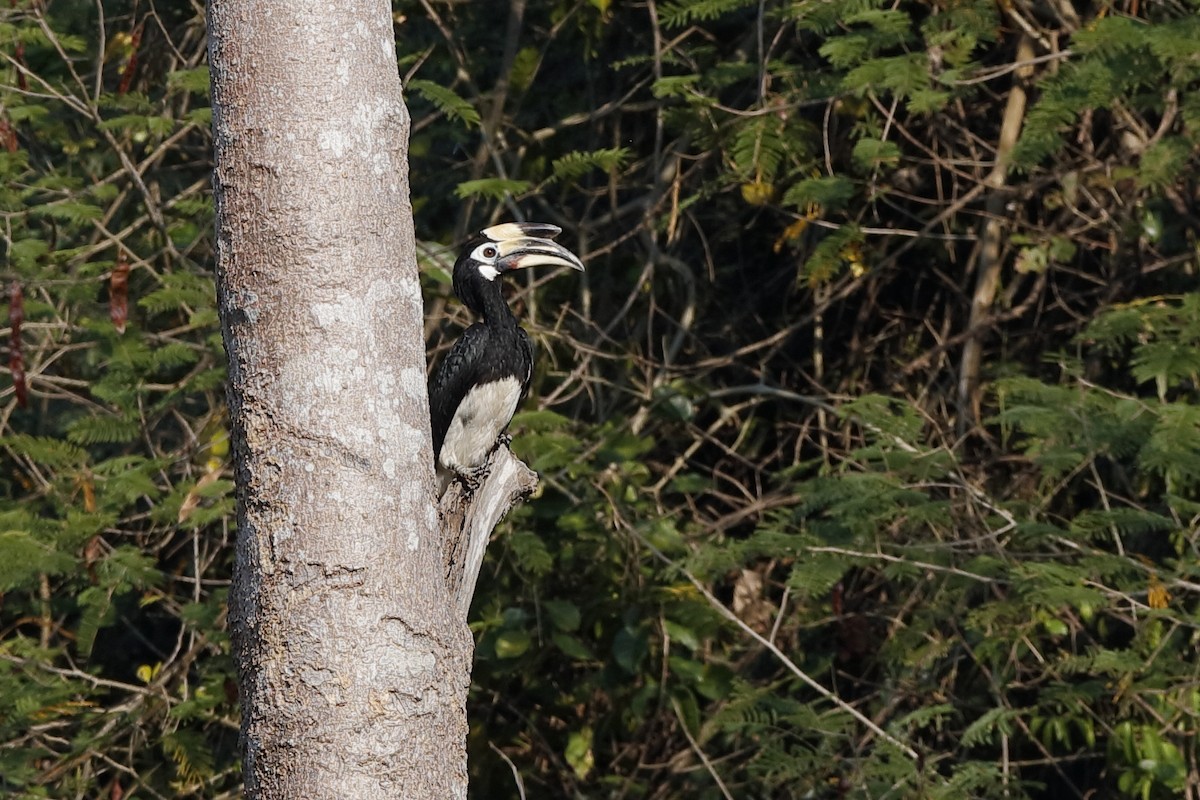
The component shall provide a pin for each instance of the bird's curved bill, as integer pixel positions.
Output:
(525, 252)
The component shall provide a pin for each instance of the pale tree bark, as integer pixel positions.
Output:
(468, 519)
(353, 656)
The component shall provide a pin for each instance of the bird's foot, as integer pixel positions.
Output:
(504, 440)
(473, 478)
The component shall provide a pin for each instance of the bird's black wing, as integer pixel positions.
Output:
(457, 373)
(530, 359)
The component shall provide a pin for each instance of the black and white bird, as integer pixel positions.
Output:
(476, 389)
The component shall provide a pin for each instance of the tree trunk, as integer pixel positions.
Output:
(354, 663)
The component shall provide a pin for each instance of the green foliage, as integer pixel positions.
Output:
(832, 193)
(190, 80)
(879, 30)
(680, 85)
(94, 580)
(967, 588)
(755, 386)
(831, 255)
(446, 101)
(179, 290)
(1119, 56)
(687, 11)
(575, 165)
(494, 188)
(102, 429)
(872, 153)
(758, 148)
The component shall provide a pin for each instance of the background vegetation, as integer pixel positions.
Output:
(869, 441)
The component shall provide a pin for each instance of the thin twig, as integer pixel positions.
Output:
(779, 654)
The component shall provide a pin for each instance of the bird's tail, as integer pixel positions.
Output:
(444, 478)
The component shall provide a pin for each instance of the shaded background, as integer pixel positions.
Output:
(761, 397)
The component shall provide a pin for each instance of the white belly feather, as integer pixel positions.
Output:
(479, 420)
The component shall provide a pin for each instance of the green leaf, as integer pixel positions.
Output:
(543, 419)
(928, 101)
(579, 753)
(69, 211)
(1163, 162)
(194, 80)
(102, 430)
(575, 165)
(512, 643)
(25, 557)
(684, 12)
(191, 754)
(563, 614)
(675, 86)
(155, 125)
(629, 648)
(759, 148)
(96, 604)
(180, 290)
(869, 153)
(446, 101)
(572, 646)
(828, 258)
(46, 451)
(199, 116)
(530, 551)
(491, 188)
(524, 68)
(989, 724)
(26, 253)
(901, 75)
(831, 193)
(682, 634)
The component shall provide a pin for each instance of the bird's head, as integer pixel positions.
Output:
(504, 248)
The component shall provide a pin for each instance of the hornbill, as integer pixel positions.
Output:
(475, 391)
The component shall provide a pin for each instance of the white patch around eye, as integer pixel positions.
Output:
(486, 253)
(485, 256)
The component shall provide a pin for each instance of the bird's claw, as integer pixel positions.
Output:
(473, 478)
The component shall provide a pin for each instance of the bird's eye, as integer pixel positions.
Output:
(489, 252)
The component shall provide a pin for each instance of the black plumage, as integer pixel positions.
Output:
(479, 384)
(481, 355)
